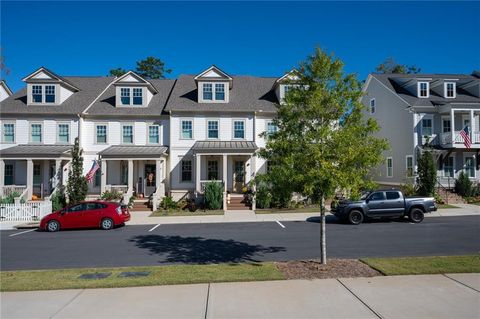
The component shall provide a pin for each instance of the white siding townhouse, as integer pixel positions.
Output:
(151, 137)
(415, 108)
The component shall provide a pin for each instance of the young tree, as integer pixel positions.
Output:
(117, 72)
(390, 66)
(323, 142)
(152, 68)
(427, 173)
(77, 185)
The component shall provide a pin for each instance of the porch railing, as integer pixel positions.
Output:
(25, 212)
(204, 183)
(8, 189)
(117, 188)
(157, 196)
(446, 138)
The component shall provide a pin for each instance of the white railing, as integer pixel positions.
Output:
(22, 197)
(127, 195)
(118, 188)
(25, 212)
(157, 196)
(8, 189)
(475, 137)
(203, 183)
(446, 138)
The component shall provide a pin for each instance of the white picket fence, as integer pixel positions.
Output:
(25, 212)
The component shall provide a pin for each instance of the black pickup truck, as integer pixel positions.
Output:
(388, 203)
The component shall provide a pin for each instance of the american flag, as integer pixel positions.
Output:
(91, 172)
(466, 137)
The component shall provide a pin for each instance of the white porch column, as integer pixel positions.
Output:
(45, 178)
(2, 176)
(253, 173)
(130, 174)
(58, 172)
(29, 179)
(472, 123)
(197, 173)
(103, 181)
(452, 125)
(225, 178)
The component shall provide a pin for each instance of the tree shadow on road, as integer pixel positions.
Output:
(198, 250)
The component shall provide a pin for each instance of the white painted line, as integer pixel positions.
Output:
(281, 225)
(153, 228)
(23, 232)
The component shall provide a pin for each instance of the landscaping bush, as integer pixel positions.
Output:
(438, 199)
(10, 198)
(463, 185)
(111, 196)
(213, 195)
(168, 203)
(58, 200)
(408, 189)
(263, 196)
(427, 173)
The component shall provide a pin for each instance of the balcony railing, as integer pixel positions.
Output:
(446, 138)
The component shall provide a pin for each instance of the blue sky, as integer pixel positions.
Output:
(255, 38)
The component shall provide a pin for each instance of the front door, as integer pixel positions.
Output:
(238, 176)
(149, 179)
(37, 180)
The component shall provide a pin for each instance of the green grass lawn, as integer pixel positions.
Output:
(164, 213)
(441, 206)
(425, 265)
(160, 275)
(288, 210)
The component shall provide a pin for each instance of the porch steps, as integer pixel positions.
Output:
(140, 206)
(236, 203)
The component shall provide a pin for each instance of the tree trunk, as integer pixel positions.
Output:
(323, 241)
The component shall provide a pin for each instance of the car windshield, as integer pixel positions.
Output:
(365, 195)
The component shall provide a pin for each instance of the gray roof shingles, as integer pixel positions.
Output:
(37, 151)
(248, 94)
(90, 88)
(224, 146)
(134, 151)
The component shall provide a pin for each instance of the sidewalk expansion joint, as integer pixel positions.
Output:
(461, 283)
(68, 303)
(358, 298)
(206, 303)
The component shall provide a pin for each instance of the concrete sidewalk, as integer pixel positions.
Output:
(424, 296)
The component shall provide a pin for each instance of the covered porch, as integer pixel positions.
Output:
(231, 163)
(134, 171)
(455, 119)
(34, 171)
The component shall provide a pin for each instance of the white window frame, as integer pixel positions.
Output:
(224, 93)
(386, 164)
(106, 133)
(159, 134)
(30, 132)
(464, 167)
(453, 168)
(454, 90)
(141, 95)
(427, 117)
(54, 93)
(266, 127)
(181, 128)
(43, 87)
(191, 169)
(14, 131)
(244, 129)
(133, 133)
(406, 166)
(69, 132)
(211, 91)
(130, 90)
(373, 108)
(446, 118)
(218, 129)
(419, 85)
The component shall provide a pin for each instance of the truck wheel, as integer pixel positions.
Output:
(415, 215)
(355, 217)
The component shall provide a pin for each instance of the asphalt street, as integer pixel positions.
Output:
(235, 242)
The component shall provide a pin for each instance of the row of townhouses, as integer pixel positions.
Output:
(158, 137)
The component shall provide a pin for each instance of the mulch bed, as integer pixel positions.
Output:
(335, 268)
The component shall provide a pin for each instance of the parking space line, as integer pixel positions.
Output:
(281, 225)
(23, 232)
(153, 228)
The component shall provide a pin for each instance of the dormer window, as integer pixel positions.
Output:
(207, 91)
(450, 90)
(43, 94)
(125, 96)
(131, 96)
(49, 93)
(37, 95)
(423, 89)
(137, 96)
(220, 91)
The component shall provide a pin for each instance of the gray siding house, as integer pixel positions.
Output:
(415, 109)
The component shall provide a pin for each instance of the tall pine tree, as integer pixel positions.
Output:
(77, 186)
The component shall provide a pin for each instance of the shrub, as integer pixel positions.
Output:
(408, 189)
(438, 198)
(263, 196)
(168, 203)
(111, 196)
(213, 195)
(58, 200)
(10, 198)
(427, 173)
(463, 185)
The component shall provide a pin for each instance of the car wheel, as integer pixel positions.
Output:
(355, 217)
(53, 226)
(106, 224)
(416, 215)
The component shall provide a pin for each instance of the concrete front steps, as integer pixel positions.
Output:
(235, 202)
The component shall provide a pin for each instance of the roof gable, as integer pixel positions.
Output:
(43, 74)
(5, 86)
(213, 73)
(132, 78)
(292, 75)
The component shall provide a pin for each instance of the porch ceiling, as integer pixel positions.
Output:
(37, 151)
(134, 151)
(207, 147)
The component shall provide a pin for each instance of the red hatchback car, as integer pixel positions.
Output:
(105, 215)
